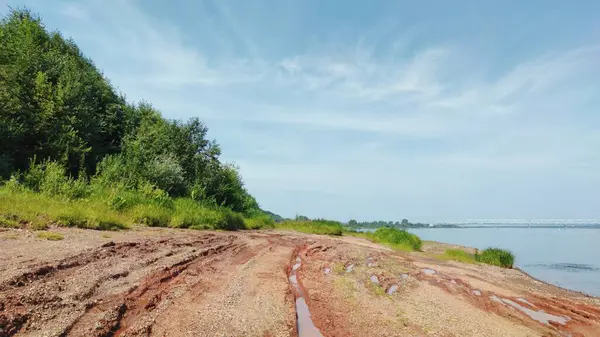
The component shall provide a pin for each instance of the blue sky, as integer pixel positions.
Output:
(429, 110)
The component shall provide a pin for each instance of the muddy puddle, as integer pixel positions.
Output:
(537, 315)
(306, 327)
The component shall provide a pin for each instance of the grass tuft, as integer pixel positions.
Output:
(52, 236)
(496, 257)
(397, 239)
(151, 215)
(323, 227)
(458, 255)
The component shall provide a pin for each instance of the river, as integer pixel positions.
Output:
(566, 257)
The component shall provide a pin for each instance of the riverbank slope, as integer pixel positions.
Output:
(165, 282)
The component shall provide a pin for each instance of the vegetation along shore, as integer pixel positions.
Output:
(116, 221)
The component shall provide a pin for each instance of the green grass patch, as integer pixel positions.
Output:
(458, 255)
(52, 236)
(260, 221)
(24, 208)
(396, 239)
(496, 257)
(151, 215)
(190, 214)
(323, 227)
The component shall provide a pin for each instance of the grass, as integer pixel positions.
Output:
(493, 256)
(323, 227)
(458, 255)
(24, 208)
(496, 257)
(396, 239)
(52, 236)
(151, 215)
(105, 209)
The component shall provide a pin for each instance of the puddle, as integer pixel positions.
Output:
(476, 292)
(306, 327)
(374, 279)
(539, 316)
(495, 299)
(428, 271)
(392, 289)
(349, 268)
(327, 270)
(522, 300)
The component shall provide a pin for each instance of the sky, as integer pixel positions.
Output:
(371, 110)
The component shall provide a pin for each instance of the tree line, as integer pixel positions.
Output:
(57, 107)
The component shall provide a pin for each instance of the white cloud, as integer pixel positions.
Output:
(422, 125)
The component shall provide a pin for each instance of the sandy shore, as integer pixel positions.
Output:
(162, 282)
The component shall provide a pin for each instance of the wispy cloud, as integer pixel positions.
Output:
(380, 118)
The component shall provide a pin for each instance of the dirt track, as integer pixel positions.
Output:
(189, 283)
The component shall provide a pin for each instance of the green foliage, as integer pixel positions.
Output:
(231, 221)
(324, 227)
(377, 224)
(152, 215)
(458, 255)
(191, 214)
(50, 178)
(396, 238)
(53, 101)
(51, 236)
(496, 257)
(260, 221)
(25, 208)
(56, 106)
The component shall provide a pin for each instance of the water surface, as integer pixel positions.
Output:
(567, 257)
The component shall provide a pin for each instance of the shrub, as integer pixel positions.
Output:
(52, 236)
(396, 238)
(166, 173)
(155, 194)
(496, 257)
(152, 215)
(50, 179)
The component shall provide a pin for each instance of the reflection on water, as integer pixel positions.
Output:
(572, 267)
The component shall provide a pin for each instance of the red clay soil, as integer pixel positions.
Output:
(189, 283)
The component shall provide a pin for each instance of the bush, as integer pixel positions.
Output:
(396, 238)
(166, 173)
(50, 179)
(152, 215)
(496, 257)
